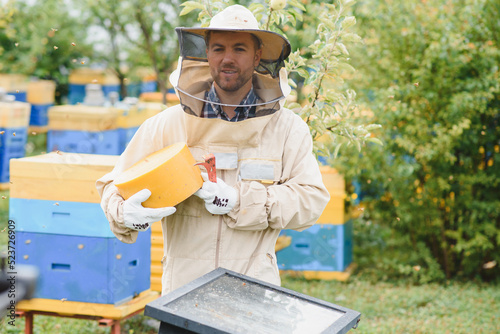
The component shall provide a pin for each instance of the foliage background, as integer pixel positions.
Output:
(427, 71)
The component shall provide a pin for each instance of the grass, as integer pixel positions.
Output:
(386, 307)
(402, 308)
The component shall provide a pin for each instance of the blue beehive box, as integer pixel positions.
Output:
(126, 135)
(62, 230)
(19, 95)
(39, 114)
(321, 247)
(95, 129)
(134, 89)
(87, 269)
(41, 95)
(12, 145)
(149, 86)
(59, 217)
(82, 141)
(84, 129)
(14, 119)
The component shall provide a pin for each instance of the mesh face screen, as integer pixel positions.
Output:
(193, 47)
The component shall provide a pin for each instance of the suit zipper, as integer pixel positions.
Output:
(217, 250)
(219, 231)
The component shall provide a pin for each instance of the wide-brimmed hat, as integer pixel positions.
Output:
(236, 18)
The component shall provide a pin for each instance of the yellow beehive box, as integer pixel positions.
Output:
(172, 99)
(41, 92)
(145, 74)
(138, 113)
(14, 114)
(151, 97)
(84, 118)
(150, 108)
(335, 184)
(59, 176)
(84, 76)
(13, 82)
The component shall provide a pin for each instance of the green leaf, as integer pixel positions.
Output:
(337, 149)
(346, 67)
(297, 4)
(256, 8)
(298, 16)
(351, 37)
(302, 72)
(348, 3)
(375, 140)
(342, 48)
(348, 22)
(189, 6)
(370, 127)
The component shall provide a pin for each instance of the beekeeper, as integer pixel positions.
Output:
(232, 86)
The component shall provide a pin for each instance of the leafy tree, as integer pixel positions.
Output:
(143, 31)
(107, 14)
(41, 39)
(429, 70)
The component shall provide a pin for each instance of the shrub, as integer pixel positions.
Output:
(429, 71)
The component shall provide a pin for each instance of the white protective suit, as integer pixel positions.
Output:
(268, 159)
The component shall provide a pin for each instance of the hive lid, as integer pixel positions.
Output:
(63, 165)
(84, 117)
(14, 114)
(59, 176)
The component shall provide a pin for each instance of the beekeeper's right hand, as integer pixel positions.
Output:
(139, 218)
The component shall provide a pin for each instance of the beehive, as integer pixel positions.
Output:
(320, 248)
(14, 114)
(81, 77)
(86, 269)
(323, 251)
(15, 84)
(84, 118)
(149, 84)
(14, 119)
(41, 96)
(335, 184)
(60, 192)
(59, 176)
(143, 81)
(54, 202)
(41, 92)
(95, 129)
(84, 129)
(171, 98)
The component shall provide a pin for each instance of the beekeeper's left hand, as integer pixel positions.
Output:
(219, 197)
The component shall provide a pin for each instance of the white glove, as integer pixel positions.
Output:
(219, 197)
(139, 218)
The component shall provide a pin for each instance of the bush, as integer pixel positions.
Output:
(429, 71)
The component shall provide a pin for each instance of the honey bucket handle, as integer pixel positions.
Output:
(209, 165)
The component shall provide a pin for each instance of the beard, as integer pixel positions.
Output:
(230, 84)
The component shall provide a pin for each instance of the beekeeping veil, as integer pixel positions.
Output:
(192, 77)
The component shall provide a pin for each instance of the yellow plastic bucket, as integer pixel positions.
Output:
(170, 174)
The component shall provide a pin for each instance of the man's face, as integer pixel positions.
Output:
(232, 58)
